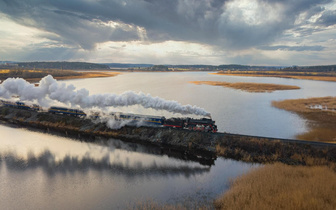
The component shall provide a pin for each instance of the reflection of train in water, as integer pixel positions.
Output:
(203, 124)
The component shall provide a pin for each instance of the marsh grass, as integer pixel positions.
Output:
(249, 87)
(188, 203)
(320, 112)
(36, 75)
(281, 186)
(259, 150)
(325, 76)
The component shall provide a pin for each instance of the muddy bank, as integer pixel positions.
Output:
(188, 144)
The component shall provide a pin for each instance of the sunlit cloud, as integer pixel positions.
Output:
(169, 32)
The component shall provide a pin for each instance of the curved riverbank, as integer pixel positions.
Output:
(320, 113)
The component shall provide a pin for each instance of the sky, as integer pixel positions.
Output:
(213, 32)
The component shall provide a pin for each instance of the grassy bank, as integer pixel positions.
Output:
(273, 186)
(320, 112)
(37, 75)
(321, 76)
(262, 150)
(249, 87)
(280, 186)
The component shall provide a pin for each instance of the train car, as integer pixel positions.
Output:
(204, 125)
(66, 111)
(21, 105)
(135, 119)
(18, 104)
(9, 104)
(174, 123)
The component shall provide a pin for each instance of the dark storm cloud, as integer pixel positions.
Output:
(42, 52)
(84, 23)
(328, 18)
(293, 48)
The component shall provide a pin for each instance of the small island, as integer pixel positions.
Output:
(290, 74)
(249, 87)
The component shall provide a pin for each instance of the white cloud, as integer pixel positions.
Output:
(252, 32)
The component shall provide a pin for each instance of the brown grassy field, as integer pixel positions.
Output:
(331, 77)
(320, 112)
(280, 186)
(249, 87)
(36, 75)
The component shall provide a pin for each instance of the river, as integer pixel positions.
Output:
(44, 171)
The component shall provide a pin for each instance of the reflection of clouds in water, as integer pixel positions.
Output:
(69, 165)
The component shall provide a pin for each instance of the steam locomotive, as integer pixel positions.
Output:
(203, 124)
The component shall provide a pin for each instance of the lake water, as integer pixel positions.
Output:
(233, 110)
(43, 171)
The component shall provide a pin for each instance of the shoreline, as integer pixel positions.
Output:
(248, 87)
(85, 75)
(320, 113)
(35, 76)
(280, 75)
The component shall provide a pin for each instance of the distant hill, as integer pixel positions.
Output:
(62, 65)
(127, 65)
(330, 68)
(152, 67)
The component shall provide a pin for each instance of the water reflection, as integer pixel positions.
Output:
(52, 172)
(48, 162)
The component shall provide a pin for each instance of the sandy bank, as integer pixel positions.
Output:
(330, 77)
(249, 87)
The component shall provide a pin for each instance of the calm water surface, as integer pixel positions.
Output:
(234, 111)
(42, 171)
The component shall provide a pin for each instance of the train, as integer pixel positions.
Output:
(21, 105)
(203, 124)
(66, 111)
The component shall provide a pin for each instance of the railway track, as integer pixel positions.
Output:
(296, 141)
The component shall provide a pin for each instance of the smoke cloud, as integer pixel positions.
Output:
(50, 89)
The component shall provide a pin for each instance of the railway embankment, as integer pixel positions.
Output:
(188, 143)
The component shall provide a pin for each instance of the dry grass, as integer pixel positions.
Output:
(84, 75)
(263, 150)
(280, 186)
(321, 113)
(36, 75)
(192, 204)
(331, 77)
(249, 87)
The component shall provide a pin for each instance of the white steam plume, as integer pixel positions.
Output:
(49, 88)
